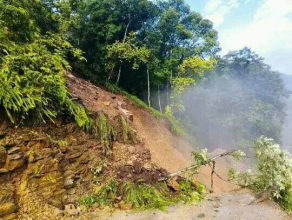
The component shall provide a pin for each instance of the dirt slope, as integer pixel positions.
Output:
(167, 150)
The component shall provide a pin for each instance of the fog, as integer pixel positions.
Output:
(224, 112)
(230, 113)
(287, 129)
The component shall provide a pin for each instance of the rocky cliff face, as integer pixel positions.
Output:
(44, 170)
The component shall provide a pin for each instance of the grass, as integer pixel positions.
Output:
(105, 196)
(174, 124)
(143, 196)
(105, 132)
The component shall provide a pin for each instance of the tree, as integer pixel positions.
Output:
(32, 63)
(126, 52)
(190, 72)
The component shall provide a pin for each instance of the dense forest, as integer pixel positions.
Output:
(161, 52)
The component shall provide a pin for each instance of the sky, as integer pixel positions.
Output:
(263, 25)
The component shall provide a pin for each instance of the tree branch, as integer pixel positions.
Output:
(196, 166)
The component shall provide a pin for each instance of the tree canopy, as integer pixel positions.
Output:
(160, 51)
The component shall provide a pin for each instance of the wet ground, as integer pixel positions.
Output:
(227, 206)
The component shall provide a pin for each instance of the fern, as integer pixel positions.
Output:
(144, 196)
(106, 195)
(103, 130)
(32, 82)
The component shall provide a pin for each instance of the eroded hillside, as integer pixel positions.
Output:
(53, 165)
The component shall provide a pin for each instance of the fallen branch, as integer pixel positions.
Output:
(196, 166)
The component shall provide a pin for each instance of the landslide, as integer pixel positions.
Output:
(45, 169)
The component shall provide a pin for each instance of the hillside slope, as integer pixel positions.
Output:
(167, 150)
(54, 165)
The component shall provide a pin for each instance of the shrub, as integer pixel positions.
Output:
(144, 196)
(106, 195)
(32, 82)
(274, 172)
(103, 130)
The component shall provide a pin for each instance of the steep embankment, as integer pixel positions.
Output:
(168, 151)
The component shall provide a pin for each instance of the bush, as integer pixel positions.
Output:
(274, 172)
(106, 195)
(32, 82)
(275, 168)
(144, 196)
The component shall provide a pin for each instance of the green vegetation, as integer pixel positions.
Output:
(127, 133)
(33, 59)
(274, 172)
(143, 196)
(105, 196)
(104, 131)
(174, 123)
(161, 48)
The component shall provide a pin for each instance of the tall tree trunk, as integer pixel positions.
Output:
(148, 86)
(158, 94)
(110, 75)
(119, 74)
(126, 31)
(124, 40)
(167, 93)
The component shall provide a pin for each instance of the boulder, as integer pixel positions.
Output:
(173, 184)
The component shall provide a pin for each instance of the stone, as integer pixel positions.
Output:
(3, 156)
(202, 215)
(14, 150)
(147, 166)
(130, 163)
(14, 164)
(127, 114)
(42, 154)
(106, 103)
(131, 149)
(69, 183)
(173, 184)
(121, 104)
(71, 191)
(71, 210)
(137, 166)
